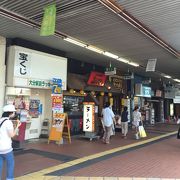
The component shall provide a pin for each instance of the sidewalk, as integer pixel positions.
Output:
(82, 155)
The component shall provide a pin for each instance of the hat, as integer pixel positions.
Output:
(9, 108)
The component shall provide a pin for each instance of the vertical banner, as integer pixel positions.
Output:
(49, 21)
(88, 116)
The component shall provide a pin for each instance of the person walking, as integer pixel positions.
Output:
(108, 121)
(136, 120)
(124, 122)
(7, 131)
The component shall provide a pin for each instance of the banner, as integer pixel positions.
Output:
(49, 21)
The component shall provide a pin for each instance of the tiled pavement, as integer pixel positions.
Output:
(93, 160)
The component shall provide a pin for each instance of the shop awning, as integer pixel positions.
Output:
(77, 81)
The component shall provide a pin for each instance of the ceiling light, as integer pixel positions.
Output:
(133, 64)
(167, 76)
(110, 55)
(177, 80)
(92, 48)
(123, 60)
(75, 42)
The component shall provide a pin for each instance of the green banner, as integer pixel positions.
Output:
(49, 21)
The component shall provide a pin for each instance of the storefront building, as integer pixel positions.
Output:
(29, 77)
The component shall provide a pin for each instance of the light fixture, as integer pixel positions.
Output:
(167, 76)
(177, 80)
(110, 55)
(92, 48)
(123, 60)
(75, 42)
(133, 64)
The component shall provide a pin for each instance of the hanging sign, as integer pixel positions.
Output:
(49, 21)
(151, 65)
(110, 71)
(88, 116)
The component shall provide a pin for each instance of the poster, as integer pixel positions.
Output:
(34, 108)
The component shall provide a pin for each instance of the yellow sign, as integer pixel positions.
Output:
(57, 129)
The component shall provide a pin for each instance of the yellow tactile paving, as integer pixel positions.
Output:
(96, 178)
(41, 173)
(81, 178)
(110, 178)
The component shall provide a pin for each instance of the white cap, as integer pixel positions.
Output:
(9, 108)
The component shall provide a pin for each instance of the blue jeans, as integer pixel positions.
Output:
(9, 157)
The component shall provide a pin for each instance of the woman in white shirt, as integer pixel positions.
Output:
(7, 131)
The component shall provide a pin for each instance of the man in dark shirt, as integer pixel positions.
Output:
(124, 122)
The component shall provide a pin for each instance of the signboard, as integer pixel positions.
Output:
(57, 101)
(60, 128)
(88, 116)
(146, 91)
(143, 91)
(38, 83)
(24, 68)
(151, 65)
(57, 127)
(117, 82)
(96, 79)
(158, 93)
(22, 64)
(110, 71)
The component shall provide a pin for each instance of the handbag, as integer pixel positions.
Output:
(142, 132)
(178, 134)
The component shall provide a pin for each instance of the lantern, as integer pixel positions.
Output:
(102, 93)
(109, 94)
(81, 92)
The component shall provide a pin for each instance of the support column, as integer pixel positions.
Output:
(2, 71)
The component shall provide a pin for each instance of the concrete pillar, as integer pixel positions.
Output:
(2, 71)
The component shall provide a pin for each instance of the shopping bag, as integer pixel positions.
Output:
(142, 132)
(178, 134)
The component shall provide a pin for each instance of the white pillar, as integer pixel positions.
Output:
(2, 71)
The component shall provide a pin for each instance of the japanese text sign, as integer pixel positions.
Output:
(88, 116)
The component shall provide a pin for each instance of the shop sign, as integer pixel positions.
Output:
(22, 64)
(110, 71)
(146, 91)
(96, 79)
(143, 91)
(125, 76)
(88, 116)
(158, 93)
(117, 82)
(56, 86)
(57, 101)
(39, 83)
(176, 100)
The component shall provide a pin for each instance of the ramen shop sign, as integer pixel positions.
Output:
(88, 116)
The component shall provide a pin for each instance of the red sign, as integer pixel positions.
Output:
(57, 101)
(96, 79)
